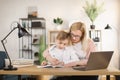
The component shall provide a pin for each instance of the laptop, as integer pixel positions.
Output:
(97, 60)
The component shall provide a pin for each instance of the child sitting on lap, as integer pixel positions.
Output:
(62, 53)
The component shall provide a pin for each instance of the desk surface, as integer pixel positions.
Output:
(33, 70)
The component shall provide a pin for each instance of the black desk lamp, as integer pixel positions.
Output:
(108, 27)
(21, 33)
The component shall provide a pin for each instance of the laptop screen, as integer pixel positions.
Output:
(99, 60)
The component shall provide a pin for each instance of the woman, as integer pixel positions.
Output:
(83, 47)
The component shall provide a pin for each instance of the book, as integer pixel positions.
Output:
(50, 66)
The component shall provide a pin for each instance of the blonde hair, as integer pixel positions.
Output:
(80, 26)
(62, 35)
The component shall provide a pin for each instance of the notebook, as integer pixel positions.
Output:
(50, 66)
(97, 60)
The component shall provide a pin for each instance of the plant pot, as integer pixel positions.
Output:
(92, 26)
(59, 27)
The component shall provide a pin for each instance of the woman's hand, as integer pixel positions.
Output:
(71, 64)
(61, 64)
(82, 62)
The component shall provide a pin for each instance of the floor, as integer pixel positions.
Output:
(102, 77)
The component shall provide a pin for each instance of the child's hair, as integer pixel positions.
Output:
(62, 35)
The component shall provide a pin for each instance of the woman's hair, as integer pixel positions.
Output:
(80, 26)
(62, 35)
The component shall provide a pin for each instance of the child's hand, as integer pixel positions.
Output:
(54, 61)
(44, 63)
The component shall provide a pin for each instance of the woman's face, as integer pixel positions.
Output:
(75, 36)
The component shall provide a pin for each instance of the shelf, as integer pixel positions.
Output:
(95, 35)
(26, 49)
(32, 18)
(52, 43)
(30, 44)
(36, 44)
(37, 27)
(52, 36)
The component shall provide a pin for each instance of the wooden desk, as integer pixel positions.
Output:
(33, 70)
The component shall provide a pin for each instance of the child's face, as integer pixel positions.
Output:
(61, 44)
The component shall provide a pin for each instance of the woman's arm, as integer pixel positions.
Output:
(76, 63)
(90, 48)
(71, 64)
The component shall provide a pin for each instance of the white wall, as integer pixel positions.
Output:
(119, 27)
(69, 10)
(111, 16)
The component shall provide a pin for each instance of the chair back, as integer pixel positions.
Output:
(2, 59)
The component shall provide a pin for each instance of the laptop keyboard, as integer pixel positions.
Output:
(79, 68)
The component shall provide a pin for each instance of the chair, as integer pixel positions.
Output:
(9, 77)
(117, 77)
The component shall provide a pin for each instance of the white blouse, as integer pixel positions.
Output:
(79, 52)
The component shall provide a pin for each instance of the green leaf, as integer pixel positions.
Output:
(42, 48)
(58, 20)
(93, 10)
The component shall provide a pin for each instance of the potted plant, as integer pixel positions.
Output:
(58, 21)
(42, 48)
(93, 10)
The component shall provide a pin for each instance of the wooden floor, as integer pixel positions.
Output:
(104, 77)
(47, 77)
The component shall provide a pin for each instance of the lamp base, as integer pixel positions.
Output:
(10, 68)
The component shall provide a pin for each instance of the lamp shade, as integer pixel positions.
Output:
(22, 31)
(108, 27)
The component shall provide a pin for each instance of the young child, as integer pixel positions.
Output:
(62, 52)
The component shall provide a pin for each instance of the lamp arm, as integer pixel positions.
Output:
(6, 52)
(9, 33)
(2, 41)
